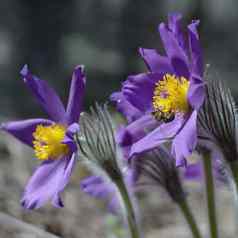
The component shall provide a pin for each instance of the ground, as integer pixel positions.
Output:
(83, 216)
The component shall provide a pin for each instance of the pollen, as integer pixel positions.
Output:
(48, 142)
(170, 97)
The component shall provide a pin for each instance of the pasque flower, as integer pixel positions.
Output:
(159, 167)
(218, 121)
(97, 144)
(101, 188)
(162, 104)
(52, 139)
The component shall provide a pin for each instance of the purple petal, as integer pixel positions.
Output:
(138, 90)
(45, 95)
(193, 171)
(158, 136)
(71, 143)
(186, 140)
(136, 130)
(72, 129)
(174, 24)
(47, 182)
(180, 67)
(217, 158)
(195, 49)
(114, 205)
(135, 170)
(96, 187)
(155, 62)
(176, 54)
(196, 93)
(125, 107)
(76, 95)
(24, 129)
(69, 137)
(90, 180)
(57, 201)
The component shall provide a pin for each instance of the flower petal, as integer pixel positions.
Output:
(24, 129)
(125, 107)
(195, 49)
(72, 129)
(155, 62)
(100, 188)
(76, 95)
(138, 90)
(47, 182)
(174, 24)
(45, 95)
(180, 67)
(186, 140)
(196, 93)
(176, 54)
(136, 130)
(69, 137)
(193, 171)
(96, 187)
(159, 135)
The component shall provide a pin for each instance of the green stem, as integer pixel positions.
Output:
(210, 194)
(129, 210)
(234, 181)
(234, 171)
(189, 218)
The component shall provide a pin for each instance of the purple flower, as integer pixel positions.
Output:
(51, 139)
(162, 104)
(104, 189)
(194, 171)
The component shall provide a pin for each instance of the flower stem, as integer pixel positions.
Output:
(129, 210)
(189, 218)
(234, 185)
(234, 171)
(210, 194)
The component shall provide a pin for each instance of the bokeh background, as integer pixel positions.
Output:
(54, 36)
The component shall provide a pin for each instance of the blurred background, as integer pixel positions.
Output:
(54, 36)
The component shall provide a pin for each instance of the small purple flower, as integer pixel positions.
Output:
(194, 171)
(104, 189)
(163, 103)
(52, 139)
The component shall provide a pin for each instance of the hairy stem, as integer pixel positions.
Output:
(234, 171)
(129, 209)
(210, 194)
(234, 185)
(189, 218)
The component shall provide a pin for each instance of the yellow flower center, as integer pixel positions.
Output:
(48, 142)
(170, 97)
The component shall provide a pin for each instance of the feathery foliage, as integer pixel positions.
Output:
(96, 140)
(218, 118)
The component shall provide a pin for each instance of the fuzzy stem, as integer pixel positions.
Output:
(234, 185)
(189, 218)
(129, 210)
(234, 171)
(210, 194)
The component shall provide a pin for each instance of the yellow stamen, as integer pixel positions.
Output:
(48, 142)
(170, 97)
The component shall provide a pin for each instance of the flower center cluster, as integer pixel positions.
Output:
(48, 142)
(170, 97)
